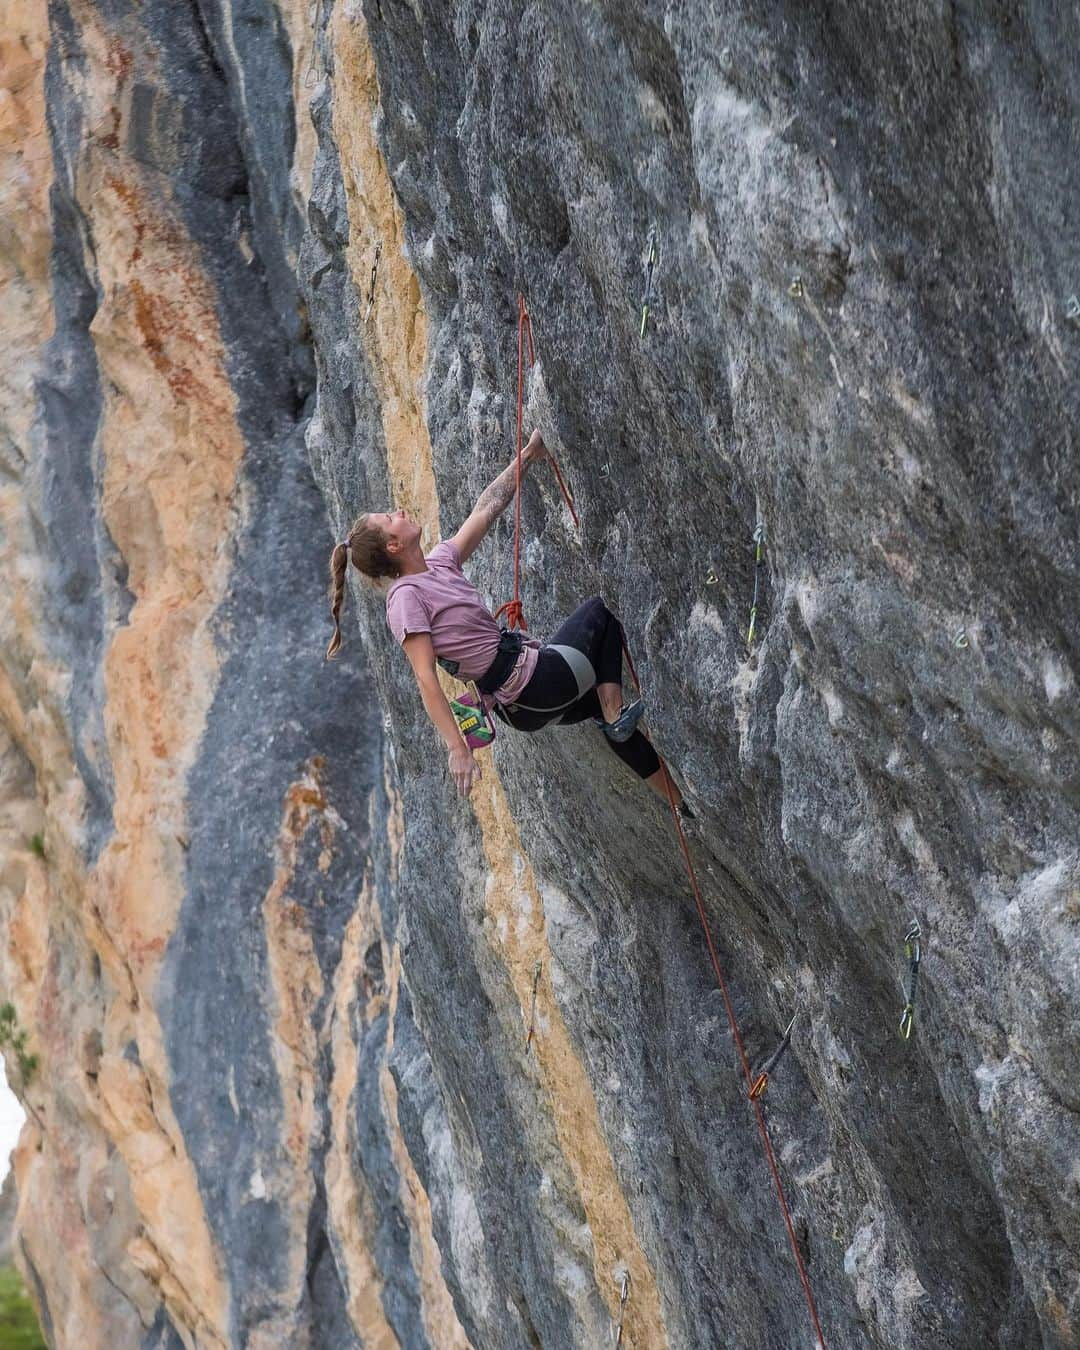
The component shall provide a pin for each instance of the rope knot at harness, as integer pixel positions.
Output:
(515, 615)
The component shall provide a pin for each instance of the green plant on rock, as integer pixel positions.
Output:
(37, 844)
(18, 1324)
(13, 1035)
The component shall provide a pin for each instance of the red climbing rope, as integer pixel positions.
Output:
(515, 618)
(669, 788)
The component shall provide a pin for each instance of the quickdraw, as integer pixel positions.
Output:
(761, 1082)
(624, 1294)
(374, 276)
(650, 265)
(759, 554)
(913, 952)
(532, 1011)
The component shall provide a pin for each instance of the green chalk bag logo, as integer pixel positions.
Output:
(474, 722)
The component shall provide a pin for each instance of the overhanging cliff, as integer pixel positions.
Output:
(261, 268)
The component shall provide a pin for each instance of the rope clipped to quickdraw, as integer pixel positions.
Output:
(513, 607)
(761, 1082)
(759, 554)
(624, 1294)
(532, 1010)
(650, 265)
(515, 615)
(913, 952)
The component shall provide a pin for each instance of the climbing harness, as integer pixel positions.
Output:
(913, 952)
(761, 1082)
(374, 275)
(624, 1294)
(513, 610)
(503, 662)
(474, 720)
(759, 554)
(532, 1010)
(650, 265)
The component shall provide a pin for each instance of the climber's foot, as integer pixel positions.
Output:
(623, 727)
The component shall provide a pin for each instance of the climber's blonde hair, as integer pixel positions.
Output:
(367, 544)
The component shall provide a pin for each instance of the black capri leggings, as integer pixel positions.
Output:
(583, 652)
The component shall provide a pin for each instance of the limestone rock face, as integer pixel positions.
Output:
(260, 265)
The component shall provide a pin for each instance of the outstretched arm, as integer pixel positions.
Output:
(421, 656)
(495, 498)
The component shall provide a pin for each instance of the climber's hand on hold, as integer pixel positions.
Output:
(535, 450)
(463, 767)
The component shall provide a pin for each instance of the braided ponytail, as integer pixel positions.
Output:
(339, 562)
(367, 543)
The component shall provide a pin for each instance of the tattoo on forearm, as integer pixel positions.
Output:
(498, 495)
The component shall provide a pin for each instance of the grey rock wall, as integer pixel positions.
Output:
(860, 336)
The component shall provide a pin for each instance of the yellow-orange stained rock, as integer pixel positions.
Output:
(26, 316)
(396, 346)
(577, 1121)
(170, 452)
(349, 1203)
(436, 1305)
(395, 338)
(298, 16)
(297, 986)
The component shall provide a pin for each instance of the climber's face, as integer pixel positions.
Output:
(401, 533)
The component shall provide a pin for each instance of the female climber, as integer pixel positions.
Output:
(436, 613)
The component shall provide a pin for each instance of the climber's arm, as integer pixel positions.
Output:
(421, 656)
(495, 498)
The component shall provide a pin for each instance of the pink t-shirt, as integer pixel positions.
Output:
(443, 602)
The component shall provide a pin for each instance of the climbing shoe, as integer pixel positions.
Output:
(625, 724)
